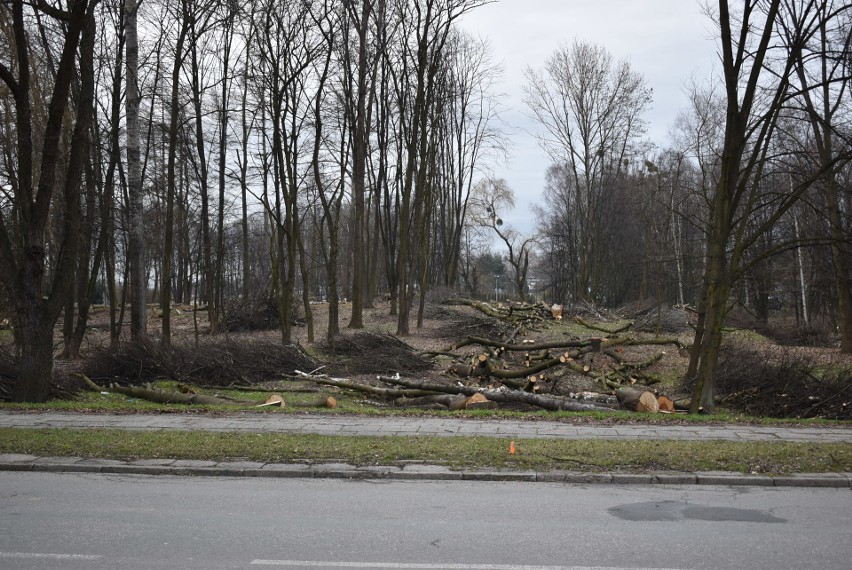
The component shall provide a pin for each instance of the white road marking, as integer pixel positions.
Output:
(36, 555)
(414, 566)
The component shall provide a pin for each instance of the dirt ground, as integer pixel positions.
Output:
(444, 325)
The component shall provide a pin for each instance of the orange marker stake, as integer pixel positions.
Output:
(512, 448)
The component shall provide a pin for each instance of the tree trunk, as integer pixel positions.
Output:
(840, 258)
(359, 157)
(710, 340)
(34, 336)
(88, 268)
(136, 247)
(168, 239)
(208, 267)
(223, 145)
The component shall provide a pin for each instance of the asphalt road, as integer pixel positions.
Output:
(83, 520)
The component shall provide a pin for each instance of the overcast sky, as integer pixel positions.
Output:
(670, 42)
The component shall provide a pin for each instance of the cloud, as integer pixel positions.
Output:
(668, 41)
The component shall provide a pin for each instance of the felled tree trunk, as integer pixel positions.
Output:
(547, 402)
(449, 401)
(163, 397)
(366, 388)
(637, 400)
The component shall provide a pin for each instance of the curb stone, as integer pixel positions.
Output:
(423, 472)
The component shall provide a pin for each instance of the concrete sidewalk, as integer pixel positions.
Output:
(411, 426)
(333, 424)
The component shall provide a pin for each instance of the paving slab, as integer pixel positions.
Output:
(444, 427)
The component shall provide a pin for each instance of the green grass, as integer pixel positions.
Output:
(455, 452)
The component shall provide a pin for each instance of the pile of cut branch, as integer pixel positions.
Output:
(670, 319)
(468, 324)
(506, 372)
(252, 313)
(527, 314)
(374, 353)
(519, 365)
(432, 394)
(783, 385)
(212, 363)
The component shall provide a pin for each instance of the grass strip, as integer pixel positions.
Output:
(347, 403)
(455, 452)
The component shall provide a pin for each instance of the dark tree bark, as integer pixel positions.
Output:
(822, 94)
(228, 32)
(171, 180)
(136, 245)
(38, 298)
(757, 88)
(359, 166)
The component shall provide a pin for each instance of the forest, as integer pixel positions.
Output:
(276, 156)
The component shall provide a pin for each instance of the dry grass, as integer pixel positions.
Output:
(248, 357)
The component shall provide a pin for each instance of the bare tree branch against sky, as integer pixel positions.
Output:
(670, 42)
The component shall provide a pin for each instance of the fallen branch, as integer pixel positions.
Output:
(471, 340)
(603, 329)
(388, 393)
(449, 401)
(547, 402)
(514, 313)
(162, 397)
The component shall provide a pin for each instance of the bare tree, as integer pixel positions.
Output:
(492, 197)
(136, 246)
(757, 70)
(822, 71)
(359, 132)
(38, 293)
(426, 24)
(591, 110)
(467, 132)
(175, 112)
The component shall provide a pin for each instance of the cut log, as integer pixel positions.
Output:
(460, 369)
(449, 401)
(547, 402)
(648, 403)
(329, 402)
(479, 402)
(273, 400)
(374, 390)
(666, 404)
(637, 400)
(556, 311)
